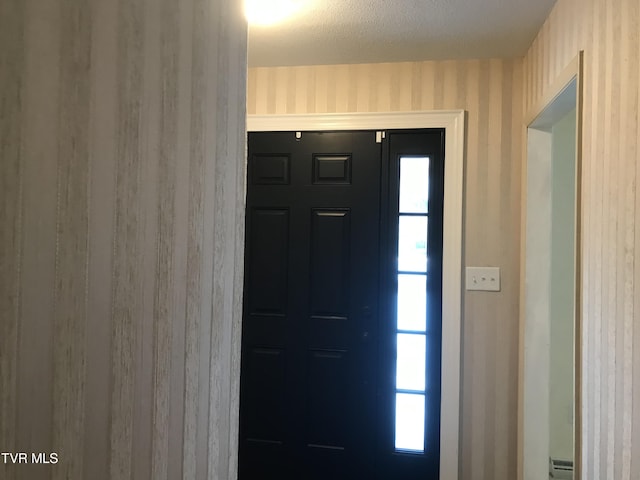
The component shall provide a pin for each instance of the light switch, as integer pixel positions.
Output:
(483, 278)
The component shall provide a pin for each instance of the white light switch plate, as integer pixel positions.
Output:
(483, 278)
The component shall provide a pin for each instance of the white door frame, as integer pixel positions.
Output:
(533, 384)
(452, 290)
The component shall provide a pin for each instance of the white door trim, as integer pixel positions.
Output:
(550, 108)
(452, 292)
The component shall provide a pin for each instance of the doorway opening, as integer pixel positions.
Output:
(453, 123)
(550, 327)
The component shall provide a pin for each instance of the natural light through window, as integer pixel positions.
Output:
(412, 243)
(410, 422)
(411, 335)
(412, 302)
(411, 355)
(414, 185)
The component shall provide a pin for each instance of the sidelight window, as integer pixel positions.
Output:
(411, 312)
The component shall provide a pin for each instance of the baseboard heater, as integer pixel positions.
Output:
(561, 469)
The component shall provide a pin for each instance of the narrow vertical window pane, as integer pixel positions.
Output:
(412, 302)
(411, 311)
(414, 184)
(410, 422)
(410, 365)
(412, 244)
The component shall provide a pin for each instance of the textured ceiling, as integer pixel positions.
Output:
(363, 31)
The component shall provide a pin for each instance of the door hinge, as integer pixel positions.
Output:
(379, 136)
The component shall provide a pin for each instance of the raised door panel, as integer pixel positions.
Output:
(268, 266)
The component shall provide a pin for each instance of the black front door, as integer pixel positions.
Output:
(319, 384)
(311, 305)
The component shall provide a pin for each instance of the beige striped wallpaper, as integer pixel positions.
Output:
(609, 33)
(486, 89)
(121, 233)
(121, 215)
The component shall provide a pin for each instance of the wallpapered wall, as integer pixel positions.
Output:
(121, 214)
(110, 259)
(609, 33)
(486, 89)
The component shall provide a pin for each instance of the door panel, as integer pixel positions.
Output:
(327, 396)
(330, 261)
(267, 272)
(265, 402)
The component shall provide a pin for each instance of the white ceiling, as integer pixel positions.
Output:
(363, 31)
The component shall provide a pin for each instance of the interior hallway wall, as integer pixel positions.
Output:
(486, 89)
(609, 33)
(121, 236)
